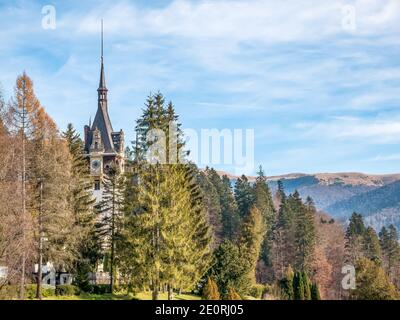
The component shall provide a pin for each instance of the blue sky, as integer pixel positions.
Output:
(320, 97)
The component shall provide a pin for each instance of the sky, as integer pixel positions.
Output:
(317, 81)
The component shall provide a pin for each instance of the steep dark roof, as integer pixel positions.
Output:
(103, 123)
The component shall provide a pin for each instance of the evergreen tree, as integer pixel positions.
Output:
(298, 286)
(372, 249)
(244, 196)
(390, 251)
(355, 238)
(210, 185)
(263, 201)
(110, 211)
(210, 290)
(372, 283)
(252, 232)
(229, 211)
(305, 234)
(229, 269)
(82, 202)
(165, 224)
(287, 284)
(307, 286)
(315, 295)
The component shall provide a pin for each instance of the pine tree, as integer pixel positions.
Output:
(287, 284)
(355, 238)
(307, 286)
(210, 290)
(165, 226)
(298, 286)
(209, 184)
(305, 236)
(82, 202)
(390, 251)
(110, 211)
(372, 283)
(315, 295)
(244, 196)
(263, 201)
(252, 232)
(229, 211)
(229, 269)
(372, 249)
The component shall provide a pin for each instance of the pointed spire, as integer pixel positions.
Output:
(102, 83)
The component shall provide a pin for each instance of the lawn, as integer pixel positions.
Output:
(108, 296)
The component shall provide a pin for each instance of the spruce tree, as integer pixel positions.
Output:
(287, 284)
(305, 233)
(82, 202)
(355, 238)
(229, 211)
(252, 232)
(230, 269)
(372, 283)
(165, 227)
(372, 249)
(263, 201)
(315, 295)
(298, 286)
(244, 196)
(109, 210)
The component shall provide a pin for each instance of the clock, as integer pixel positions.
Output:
(96, 164)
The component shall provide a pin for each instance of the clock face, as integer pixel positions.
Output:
(95, 164)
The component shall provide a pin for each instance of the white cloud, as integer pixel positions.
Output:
(351, 129)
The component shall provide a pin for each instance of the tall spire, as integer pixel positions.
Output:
(102, 84)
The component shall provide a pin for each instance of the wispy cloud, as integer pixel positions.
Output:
(288, 69)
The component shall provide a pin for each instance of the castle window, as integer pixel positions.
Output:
(96, 145)
(97, 185)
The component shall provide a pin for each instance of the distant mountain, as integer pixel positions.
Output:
(377, 197)
(380, 206)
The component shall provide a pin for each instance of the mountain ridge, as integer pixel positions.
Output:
(375, 196)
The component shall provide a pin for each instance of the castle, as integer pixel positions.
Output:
(104, 147)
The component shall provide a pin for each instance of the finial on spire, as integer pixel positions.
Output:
(101, 40)
(102, 84)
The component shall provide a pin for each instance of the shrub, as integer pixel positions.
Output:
(257, 291)
(99, 288)
(233, 295)
(30, 291)
(210, 290)
(67, 290)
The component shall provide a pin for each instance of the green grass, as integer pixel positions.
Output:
(163, 296)
(89, 296)
(108, 296)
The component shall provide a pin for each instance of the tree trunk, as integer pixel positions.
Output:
(155, 292)
(170, 293)
(23, 174)
(112, 241)
(40, 262)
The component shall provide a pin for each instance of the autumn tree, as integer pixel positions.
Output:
(210, 290)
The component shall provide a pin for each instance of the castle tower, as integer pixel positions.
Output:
(103, 146)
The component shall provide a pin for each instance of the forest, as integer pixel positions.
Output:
(168, 229)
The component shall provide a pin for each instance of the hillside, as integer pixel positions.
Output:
(375, 196)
